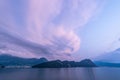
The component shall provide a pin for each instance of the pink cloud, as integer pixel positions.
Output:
(38, 25)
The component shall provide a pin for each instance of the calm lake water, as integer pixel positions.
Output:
(61, 74)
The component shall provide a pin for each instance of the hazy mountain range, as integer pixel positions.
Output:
(110, 59)
(9, 60)
(113, 57)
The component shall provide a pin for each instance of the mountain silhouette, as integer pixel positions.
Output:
(65, 64)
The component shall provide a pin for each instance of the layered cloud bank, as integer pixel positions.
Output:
(43, 28)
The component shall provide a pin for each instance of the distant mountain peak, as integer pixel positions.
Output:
(86, 60)
(117, 49)
(110, 57)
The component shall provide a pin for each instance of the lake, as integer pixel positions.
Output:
(61, 74)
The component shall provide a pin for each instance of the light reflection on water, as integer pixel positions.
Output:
(61, 74)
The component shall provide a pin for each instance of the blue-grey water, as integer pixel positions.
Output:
(61, 74)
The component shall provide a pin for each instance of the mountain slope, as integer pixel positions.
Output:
(8, 60)
(111, 57)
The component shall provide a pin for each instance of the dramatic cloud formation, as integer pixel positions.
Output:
(43, 28)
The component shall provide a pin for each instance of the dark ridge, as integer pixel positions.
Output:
(65, 64)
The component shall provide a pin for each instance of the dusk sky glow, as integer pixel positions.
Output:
(59, 29)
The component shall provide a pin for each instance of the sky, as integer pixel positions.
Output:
(59, 29)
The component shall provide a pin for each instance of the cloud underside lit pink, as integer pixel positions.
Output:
(48, 26)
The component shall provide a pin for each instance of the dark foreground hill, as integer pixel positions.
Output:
(65, 64)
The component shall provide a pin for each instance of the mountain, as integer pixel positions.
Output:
(9, 60)
(65, 64)
(87, 63)
(110, 57)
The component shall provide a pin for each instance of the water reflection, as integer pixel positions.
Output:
(60, 74)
